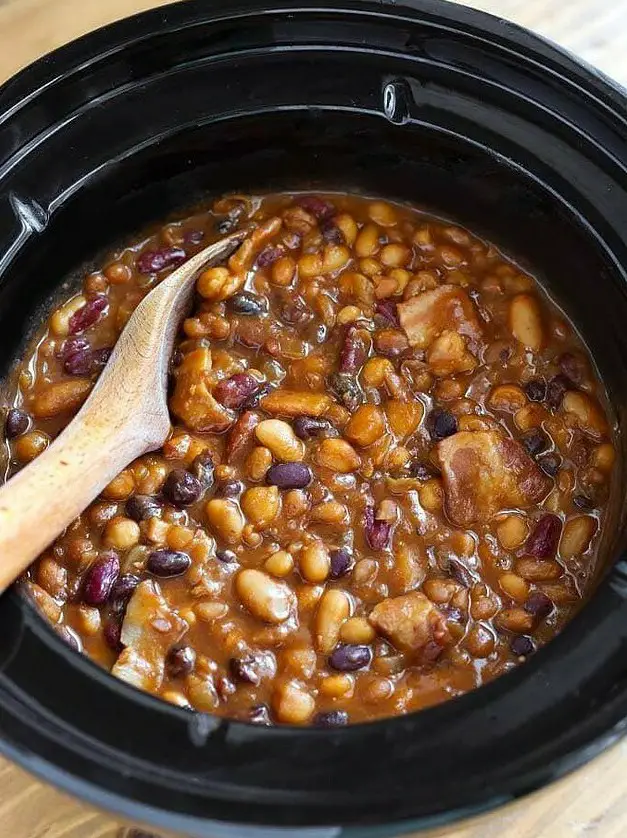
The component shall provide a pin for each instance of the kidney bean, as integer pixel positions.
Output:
(544, 538)
(269, 255)
(203, 469)
(253, 400)
(294, 310)
(78, 343)
(332, 718)
(86, 361)
(181, 488)
(535, 441)
(346, 388)
(353, 351)
(153, 261)
(143, 507)
(310, 427)
(259, 715)
(341, 563)
(248, 304)
(100, 579)
(88, 315)
(234, 391)
(193, 236)
(318, 207)
(440, 424)
(17, 423)
(522, 646)
(556, 390)
(550, 464)
(244, 670)
(166, 563)
(377, 532)
(112, 634)
(180, 660)
(388, 311)
(289, 476)
(539, 605)
(122, 591)
(350, 658)
(535, 390)
(390, 342)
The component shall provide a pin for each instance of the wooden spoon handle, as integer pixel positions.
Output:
(40, 501)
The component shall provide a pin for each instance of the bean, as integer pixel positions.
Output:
(377, 533)
(202, 468)
(310, 427)
(245, 670)
(441, 424)
(269, 255)
(315, 562)
(248, 304)
(525, 319)
(61, 397)
(88, 315)
(86, 362)
(289, 476)
(100, 579)
(70, 637)
(535, 390)
(535, 441)
(556, 390)
(544, 538)
(181, 488)
(226, 519)
(279, 437)
(577, 536)
(265, 598)
(366, 426)
(233, 392)
(574, 367)
(112, 634)
(387, 310)
(261, 505)
(346, 388)
(318, 207)
(390, 342)
(333, 609)
(121, 533)
(512, 531)
(550, 464)
(539, 605)
(341, 563)
(357, 630)
(522, 646)
(259, 715)
(353, 351)
(226, 556)
(350, 658)
(332, 718)
(180, 660)
(122, 591)
(338, 455)
(292, 704)
(166, 563)
(17, 423)
(152, 261)
(143, 507)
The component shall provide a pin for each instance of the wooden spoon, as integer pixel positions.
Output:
(125, 416)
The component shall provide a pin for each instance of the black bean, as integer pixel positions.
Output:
(421, 470)
(86, 361)
(350, 658)
(180, 660)
(259, 715)
(247, 303)
(522, 646)
(310, 427)
(181, 488)
(346, 388)
(539, 605)
(535, 441)
(100, 579)
(332, 718)
(122, 591)
(583, 502)
(193, 236)
(550, 464)
(245, 670)
(230, 489)
(331, 233)
(17, 423)
(226, 556)
(143, 507)
(536, 390)
(112, 634)
(441, 423)
(289, 476)
(203, 470)
(168, 562)
(556, 389)
(341, 563)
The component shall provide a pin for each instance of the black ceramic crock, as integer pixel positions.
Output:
(425, 102)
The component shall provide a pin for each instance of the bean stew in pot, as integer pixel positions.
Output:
(386, 477)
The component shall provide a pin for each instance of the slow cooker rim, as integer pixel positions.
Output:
(54, 67)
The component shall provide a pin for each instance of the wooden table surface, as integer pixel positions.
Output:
(592, 803)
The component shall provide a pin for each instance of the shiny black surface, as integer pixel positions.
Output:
(446, 108)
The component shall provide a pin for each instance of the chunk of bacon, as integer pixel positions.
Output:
(412, 623)
(484, 472)
(192, 400)
(446, 308)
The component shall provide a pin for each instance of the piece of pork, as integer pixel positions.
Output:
(447, 308)
(150, 628)
(484, 472)
(413, 624)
